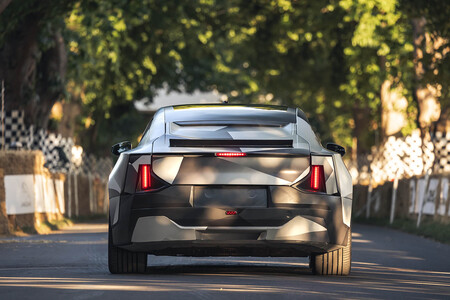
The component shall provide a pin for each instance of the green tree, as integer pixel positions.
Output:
(32, 55)
(331, 58)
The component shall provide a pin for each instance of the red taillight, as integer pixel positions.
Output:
(315, 177)
(145, 177)
(231, 154)
(317, 182)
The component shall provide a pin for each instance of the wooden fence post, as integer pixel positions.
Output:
(3, 115)
(369, 197)
(75, 186)
(394, 198)
(91, 200)
(422, 202)
(69, 194)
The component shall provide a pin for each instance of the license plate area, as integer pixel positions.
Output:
(226, 197)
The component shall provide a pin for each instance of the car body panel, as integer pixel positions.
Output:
(202, 204)
(204, 170)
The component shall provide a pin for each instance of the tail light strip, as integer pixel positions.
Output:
(315, 177)
(147, 180)
(145, 177)
(231, 154)
(315, 181)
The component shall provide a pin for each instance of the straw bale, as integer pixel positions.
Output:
(4, 224)
(22, 162)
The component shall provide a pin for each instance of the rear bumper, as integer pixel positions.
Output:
(293, 224)
(232, 248)
(161, 228)
(298, 237)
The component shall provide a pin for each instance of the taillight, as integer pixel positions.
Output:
(315, 177)
(145, 177)
(315, 181)
(231, 154)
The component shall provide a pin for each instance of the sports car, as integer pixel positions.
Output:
(230, 180)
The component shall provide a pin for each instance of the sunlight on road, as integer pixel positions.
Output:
(380, 268)
(366, 276)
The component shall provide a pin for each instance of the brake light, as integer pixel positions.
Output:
(317, 178)
(315, 181)
(231, 154)
(145, 177)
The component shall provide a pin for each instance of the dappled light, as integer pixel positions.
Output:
(252, 142)
(377, 271)
(235, 275)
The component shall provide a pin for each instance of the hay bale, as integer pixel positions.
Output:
(4, 224)
(22, 162)
(22, 222)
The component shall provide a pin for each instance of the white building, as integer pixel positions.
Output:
(174, 98)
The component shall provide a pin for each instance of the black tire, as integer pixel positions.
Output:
(337, 262)
(123, 261)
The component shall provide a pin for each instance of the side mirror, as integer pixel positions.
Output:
(336, 148)
(121, 147)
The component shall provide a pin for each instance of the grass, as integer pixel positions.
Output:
(429, 228)
(60, 224)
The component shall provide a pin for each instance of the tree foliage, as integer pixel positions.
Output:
(328, 57)
(32, 56)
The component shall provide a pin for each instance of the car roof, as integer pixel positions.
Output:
(235, 113)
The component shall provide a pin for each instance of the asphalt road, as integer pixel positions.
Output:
(71, 264)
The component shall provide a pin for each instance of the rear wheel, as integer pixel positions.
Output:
(123, 261)
(337, 262)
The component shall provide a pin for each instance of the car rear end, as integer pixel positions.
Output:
(227, 184)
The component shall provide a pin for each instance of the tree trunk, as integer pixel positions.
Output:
(425, 95)
(33, 80)
(443, 123)
(361, 130)
(3, 5)
(393, 111)
(18, 58)
(50, 83)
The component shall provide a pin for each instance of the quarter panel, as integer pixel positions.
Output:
(345, 188)
(330, 174)
(117, 176)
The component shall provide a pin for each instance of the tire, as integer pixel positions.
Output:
(337, 262)
(122, 261)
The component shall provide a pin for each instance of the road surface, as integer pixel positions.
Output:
(71, 264)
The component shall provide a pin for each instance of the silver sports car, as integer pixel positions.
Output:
(230, 180)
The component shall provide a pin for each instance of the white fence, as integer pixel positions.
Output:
(61, 154)
(403, 158)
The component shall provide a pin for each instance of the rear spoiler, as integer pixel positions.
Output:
(231, 143)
